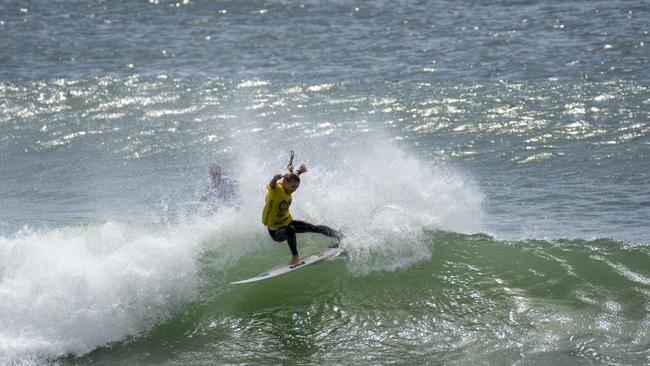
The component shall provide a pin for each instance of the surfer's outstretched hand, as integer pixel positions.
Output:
(302, 168)
(275, 179)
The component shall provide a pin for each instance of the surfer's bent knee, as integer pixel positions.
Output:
(282, 233)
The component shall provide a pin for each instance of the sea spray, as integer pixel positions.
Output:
(380, 196)
(73, 289)
(384, 198)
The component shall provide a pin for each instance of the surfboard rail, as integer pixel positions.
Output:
(287, 268)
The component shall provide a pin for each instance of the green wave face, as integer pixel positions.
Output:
(474, 300)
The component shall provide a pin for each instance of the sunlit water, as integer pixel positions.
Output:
(488, 164)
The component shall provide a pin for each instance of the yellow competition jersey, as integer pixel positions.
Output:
(276, 208)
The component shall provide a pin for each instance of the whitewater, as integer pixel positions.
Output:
(487, 163)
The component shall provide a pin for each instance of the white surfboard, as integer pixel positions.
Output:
(304, 262)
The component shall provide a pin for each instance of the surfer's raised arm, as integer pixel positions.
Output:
(275, 180)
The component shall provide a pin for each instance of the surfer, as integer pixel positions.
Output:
(276, 216)
(222, 190)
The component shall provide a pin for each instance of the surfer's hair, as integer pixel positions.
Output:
(291, 177)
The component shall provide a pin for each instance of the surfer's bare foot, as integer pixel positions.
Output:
(294, 259)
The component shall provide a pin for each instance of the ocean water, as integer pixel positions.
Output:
(487, 161)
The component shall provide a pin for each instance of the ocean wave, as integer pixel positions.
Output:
(573, 300)
(73, 290)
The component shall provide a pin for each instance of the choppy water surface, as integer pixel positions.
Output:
(487, 162)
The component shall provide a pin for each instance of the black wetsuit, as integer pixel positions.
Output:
(289, 232)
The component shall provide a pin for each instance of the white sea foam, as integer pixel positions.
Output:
(71, 290)
(380, 196)
(384, 199)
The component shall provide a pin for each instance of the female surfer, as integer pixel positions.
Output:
(277, 218)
